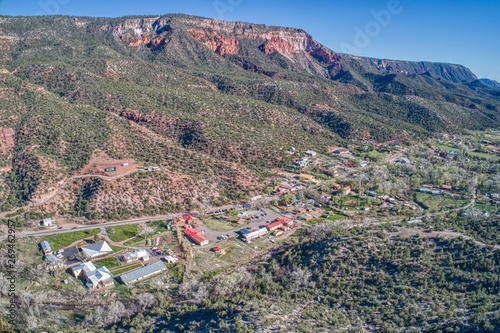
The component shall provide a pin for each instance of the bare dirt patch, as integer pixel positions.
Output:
(100, 162)
(6, 139)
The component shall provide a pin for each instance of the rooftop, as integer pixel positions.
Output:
(96, 249)
(143, 272)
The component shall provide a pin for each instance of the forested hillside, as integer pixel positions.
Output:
(204, 99)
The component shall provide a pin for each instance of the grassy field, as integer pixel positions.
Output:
(436, 203)
(135, 241)
(375, 156)
(445, 147)
(121, 233)
(217, 225)
(61, 241)
(117, 248)
(124, 269)
(334, 216)
(159, 226)
(483, 156)
(110, 263)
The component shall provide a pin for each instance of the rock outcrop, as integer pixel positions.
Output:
(222, 37)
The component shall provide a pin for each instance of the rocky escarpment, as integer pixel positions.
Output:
(450, 72)
(222, 37)
(297, 46)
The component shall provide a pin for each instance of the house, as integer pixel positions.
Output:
(47, 222)
(101, 277)
(171, 260)
(136, 255)
(247, 237)
(186, 219)
(307, 217)
(302, 162)
(311, 153)
(306, 178)
(340, 151)
(45, 246)
(325, 196)
(372, 193)
(83, 269)
(218, 250)
(95, 277)
(284, 189)
(346, 190)
(53, 261)
(97, 249)
(143, 273)
(196, 237)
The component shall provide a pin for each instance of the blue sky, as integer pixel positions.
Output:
(461, 31)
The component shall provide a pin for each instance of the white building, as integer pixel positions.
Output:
(136, 255)
(96, 277)
(47, 222)
(171, 260)
(255, 234)
(97, 249)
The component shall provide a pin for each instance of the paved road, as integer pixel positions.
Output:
(78, 227)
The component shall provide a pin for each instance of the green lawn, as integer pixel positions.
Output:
(445, 147)
(484, 156)
(217, 225)
(110, 263)
(61, 241)
(123, 232)
(117, 248)
(135, 241)
(124, 269)
(334, 216)
(375, 156)
(436, 203)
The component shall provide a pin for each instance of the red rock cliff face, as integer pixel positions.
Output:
(216, 42)
(222, 37)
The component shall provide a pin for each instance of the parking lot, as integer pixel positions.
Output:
(257, 218)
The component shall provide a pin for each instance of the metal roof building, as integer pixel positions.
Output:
(46, 249)
(97, 249)
(142, 273)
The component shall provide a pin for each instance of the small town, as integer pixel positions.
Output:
(254, 166)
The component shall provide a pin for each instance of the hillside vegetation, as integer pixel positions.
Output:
(215, 104)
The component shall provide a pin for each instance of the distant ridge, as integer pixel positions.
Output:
(491, 83)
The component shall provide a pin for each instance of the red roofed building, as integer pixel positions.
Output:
(283, 220)
(196, 237)
(218, 250)
(187, 219)
(278, 222)
(274, 225)
(278, 232)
